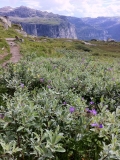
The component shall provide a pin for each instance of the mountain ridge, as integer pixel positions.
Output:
(100, 28)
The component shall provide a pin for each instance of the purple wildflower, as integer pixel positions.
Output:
(97, 125)
(49, 81)
(100, 126)
(64, 103)
(83, 59)
(49, 86)
(21, 85)
(93, 111)
(94, 125)
(41, 79)
(1, 116)
(87, 110)
(72, 109)
(113, 79)
(83, 99)
(110, 69)
(54, 67)
(91, 102)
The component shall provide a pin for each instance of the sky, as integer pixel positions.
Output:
(76, 8)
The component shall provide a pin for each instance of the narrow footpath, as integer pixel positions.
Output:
(14, 50)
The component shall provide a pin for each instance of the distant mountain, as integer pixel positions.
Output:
(24, 12)
(6, 9)
(109, 25)
(86, 31)
(53, 25)
(100, 28)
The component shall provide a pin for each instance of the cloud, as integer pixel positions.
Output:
(88, 8)
(56, 6)
(79, 8)
(32, 4)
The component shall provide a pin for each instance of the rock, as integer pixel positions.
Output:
(44, 24)
(63, 30)
(22, 32)
(22, 40)
(110, 40)
(19, 39)
(5, 21)
(10, 39)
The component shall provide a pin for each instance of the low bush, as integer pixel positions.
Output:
(61, 108)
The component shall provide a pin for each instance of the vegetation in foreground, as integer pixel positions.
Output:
(60, 108)
(61, 101)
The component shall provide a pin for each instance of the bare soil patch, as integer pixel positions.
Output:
(14, 50)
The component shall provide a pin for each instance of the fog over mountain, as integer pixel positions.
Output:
(48, 24)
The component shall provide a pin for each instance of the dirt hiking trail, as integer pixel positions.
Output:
(14, 50)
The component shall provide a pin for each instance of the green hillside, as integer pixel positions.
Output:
(61, 101)
(44, 46)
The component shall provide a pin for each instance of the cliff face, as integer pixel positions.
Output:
(39, 23)
(54, 31)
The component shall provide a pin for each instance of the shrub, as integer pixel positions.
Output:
(64, 108)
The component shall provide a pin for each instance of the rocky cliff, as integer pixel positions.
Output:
(55, 31)
(5, 21)
(39, 23)
(36, 22)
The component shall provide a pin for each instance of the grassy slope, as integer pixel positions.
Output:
(4, 47)
(46, 47)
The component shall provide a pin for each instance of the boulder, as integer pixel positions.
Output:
(5, 21)
(19, 39)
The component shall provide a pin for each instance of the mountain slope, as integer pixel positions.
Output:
(36, 22)
(86, 31)
(110, 26)
(41, 23)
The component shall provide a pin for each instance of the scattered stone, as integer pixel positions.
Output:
(87, 43)
(22, 32)
(22, 40)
